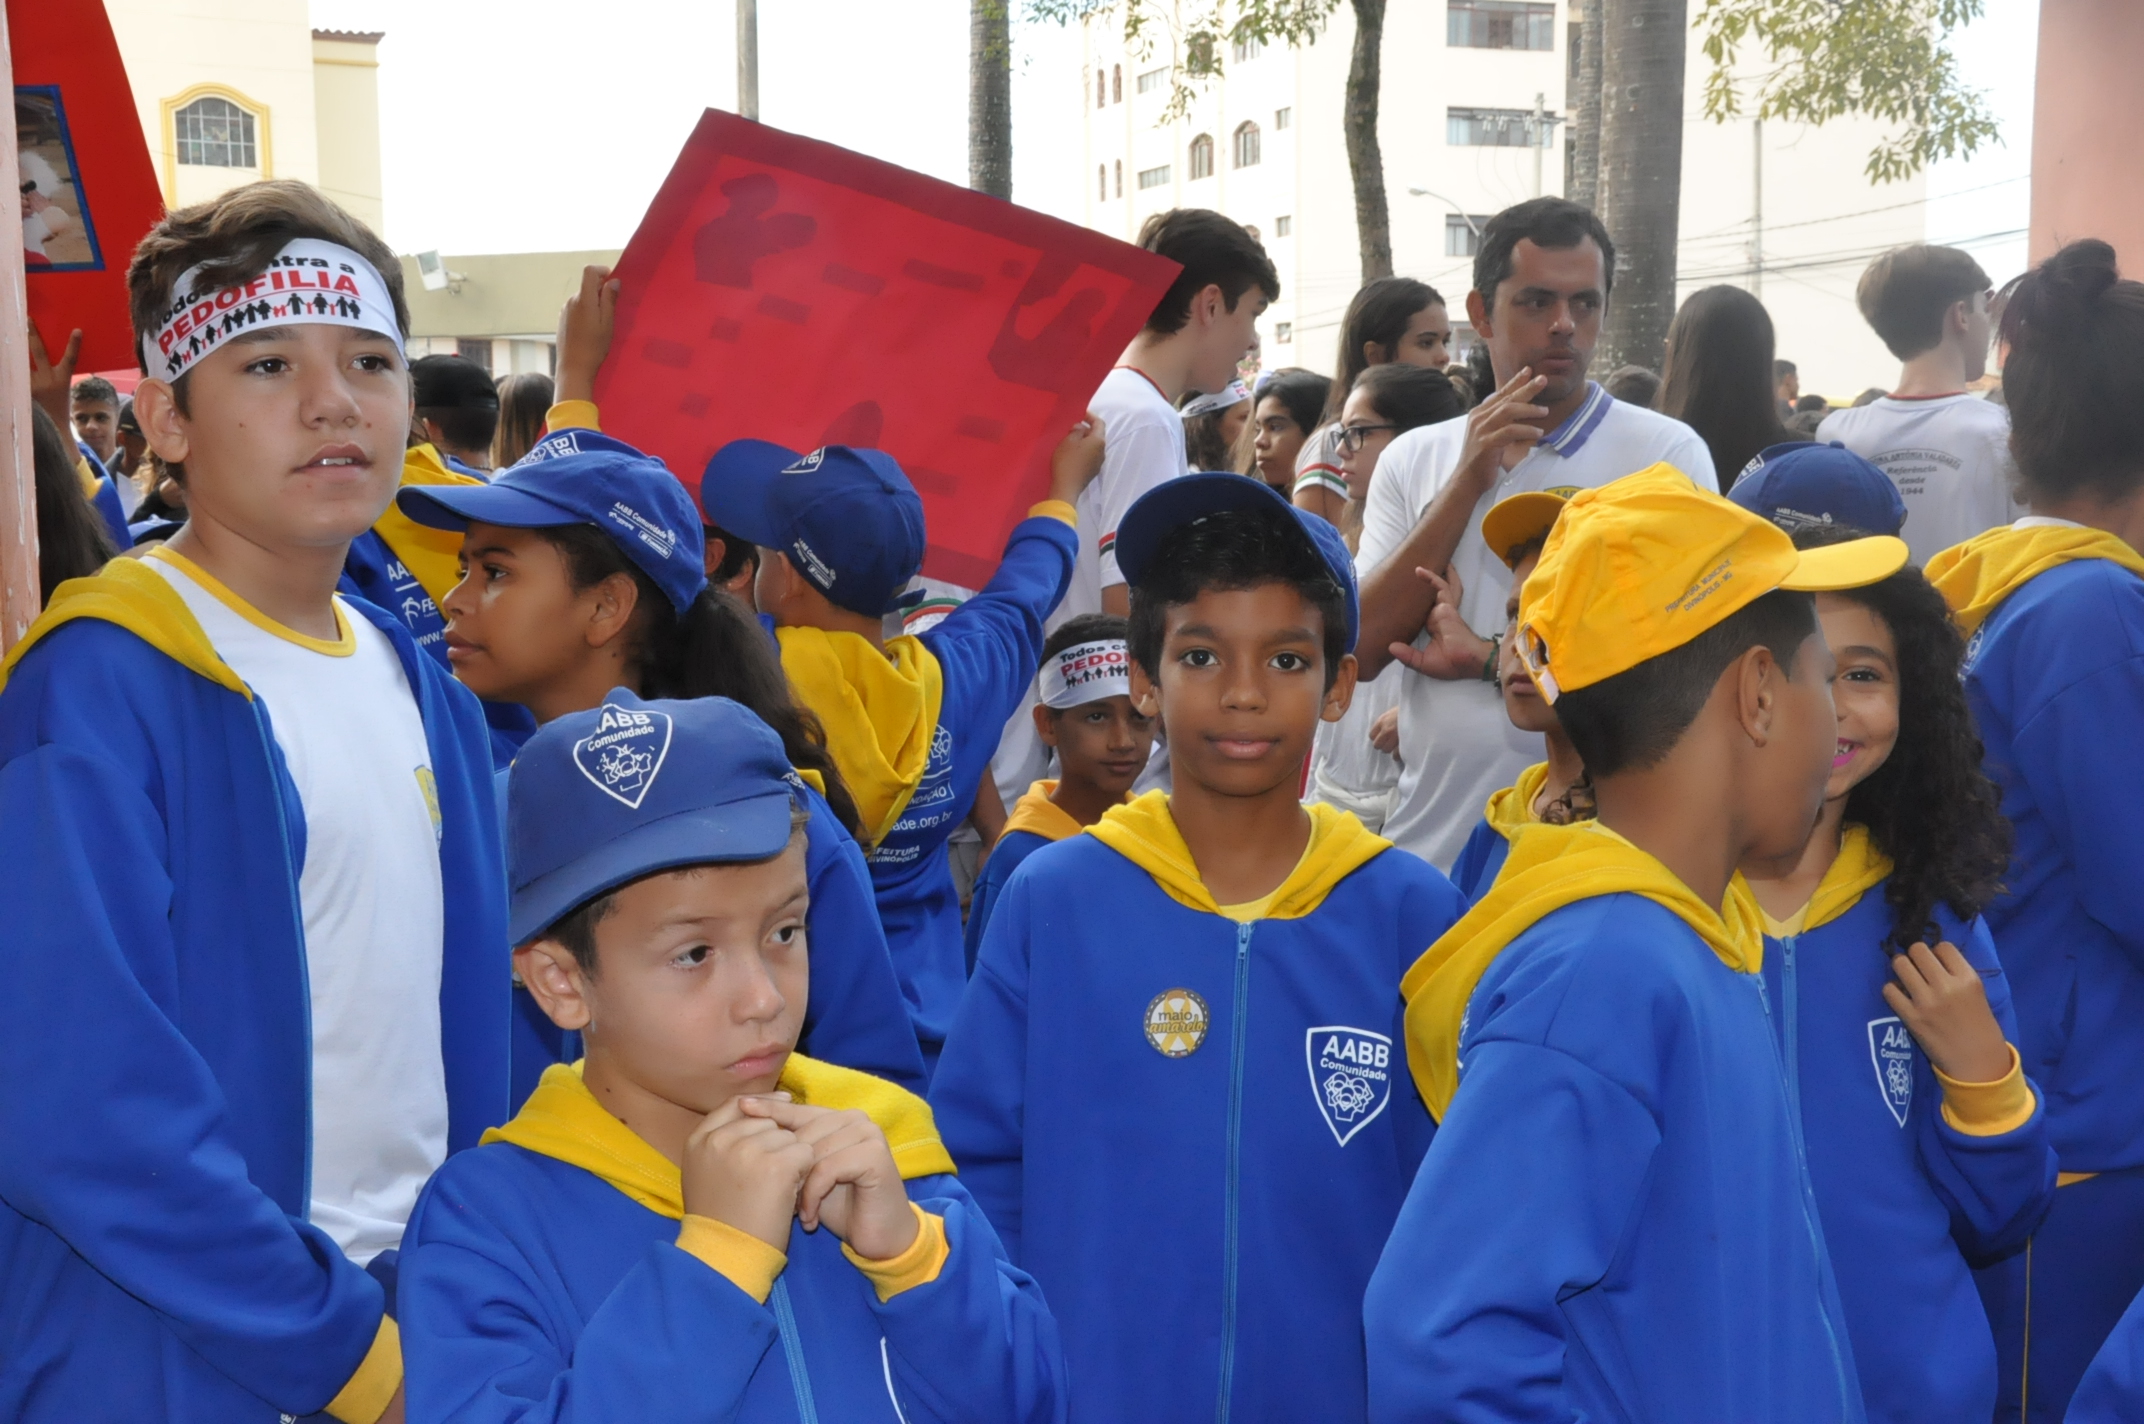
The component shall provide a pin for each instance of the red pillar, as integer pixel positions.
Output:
(2087, 114)
(18, 484)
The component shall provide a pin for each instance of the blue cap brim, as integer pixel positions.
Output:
(457, 507)
(734, 489)
(746, 830)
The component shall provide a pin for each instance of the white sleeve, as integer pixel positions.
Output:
(1688, 452)
(1132, 463)
(1399, 491)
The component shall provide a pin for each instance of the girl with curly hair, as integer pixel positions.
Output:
(1926, 1144)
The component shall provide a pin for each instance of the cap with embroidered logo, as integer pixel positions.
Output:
(1523, 519)
(1640, 567)
(598, 799)
(1804, 485)
(848, 519)
(584, 477)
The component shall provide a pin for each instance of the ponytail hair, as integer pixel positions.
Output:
(2075, 329)
(715, 648)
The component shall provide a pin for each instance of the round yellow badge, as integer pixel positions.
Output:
(1176, 1022)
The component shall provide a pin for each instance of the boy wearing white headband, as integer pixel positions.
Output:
(250, 833)
(1085, 715)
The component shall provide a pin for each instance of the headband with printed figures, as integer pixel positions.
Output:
(310, 280)
(1087, 672)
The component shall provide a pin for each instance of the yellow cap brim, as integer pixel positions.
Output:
(1854, 564)
(1516, 522)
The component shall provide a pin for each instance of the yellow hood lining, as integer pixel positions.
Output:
(880, 710)
(1144, 832)
(1976, 576)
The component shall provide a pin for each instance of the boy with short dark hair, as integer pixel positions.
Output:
(1084, 714)
(455, 410)
(251, 840)
(1173, 1082)
(1615, 1220)
(95, 404)
(644, 1240)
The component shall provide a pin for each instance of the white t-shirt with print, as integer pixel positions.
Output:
(1949, 457)
(1457, 746)
(347, 723)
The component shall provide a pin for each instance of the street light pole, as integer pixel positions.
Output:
(1536, 133)
(748, 59)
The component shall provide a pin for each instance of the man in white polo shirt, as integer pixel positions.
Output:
(1541, 282)
(1945, 447)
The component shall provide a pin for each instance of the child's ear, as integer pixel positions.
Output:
(1046, 725)
(615, 599)
(1342, 692)
(553, 978)
(1145, 696)
(1757, 676)
(156, 407)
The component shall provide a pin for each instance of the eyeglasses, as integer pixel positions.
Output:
(1352, 437)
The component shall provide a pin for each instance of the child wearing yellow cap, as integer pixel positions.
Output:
(1614, 1220)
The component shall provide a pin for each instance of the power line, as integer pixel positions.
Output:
(1842, 258)
(1732, 228)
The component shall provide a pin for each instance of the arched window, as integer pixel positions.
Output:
(1202, 157)
(1116, 83)
(1118, 166)
(1246, 144)
(1101, 180)
(1101, 87)
(215, 133)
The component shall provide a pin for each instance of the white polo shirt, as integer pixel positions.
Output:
(1949, 457)
(1457, 747)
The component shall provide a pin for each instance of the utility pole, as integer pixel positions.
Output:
(748, 59)
(1756, 209)
(1537, 132)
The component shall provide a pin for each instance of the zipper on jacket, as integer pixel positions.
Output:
(1231, 1207)
(297, 919)
(785, 1324)
(1790, 1011)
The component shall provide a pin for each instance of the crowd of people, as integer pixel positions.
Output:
(1451, 891)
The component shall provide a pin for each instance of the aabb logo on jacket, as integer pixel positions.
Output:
(1350, 1076)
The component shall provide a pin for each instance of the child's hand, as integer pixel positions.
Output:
(1385, 732)
(52, 382)
(1454, 653)
(1943, 1004)
(853, 1187)
(584, 332)
(745, 1169)
(1077, 459)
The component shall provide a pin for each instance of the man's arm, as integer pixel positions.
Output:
(1140, 458)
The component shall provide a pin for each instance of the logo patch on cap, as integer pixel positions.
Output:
(807, 464)
(626, 753)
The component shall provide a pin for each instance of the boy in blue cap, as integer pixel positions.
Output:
(1175, 1083)
(912, 722)
(663, 1214)
(583, 570)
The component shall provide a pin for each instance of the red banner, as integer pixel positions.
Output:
(89, 193)
(785, 289)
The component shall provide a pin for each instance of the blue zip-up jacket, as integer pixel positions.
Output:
(2112, 1390)
(1614, 1222)
(155, 1259)
(1008, 854)
(552, 1282)
(1909, 1202)
(987, 650)
(1195, 1132)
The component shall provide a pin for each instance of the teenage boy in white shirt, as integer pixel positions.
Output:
(1947, 448)
(1541, 283)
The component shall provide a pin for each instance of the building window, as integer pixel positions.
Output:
(1248, 48)
(1500, 24)
(1101, 180)
(1202, 157)
(1118, 169)
(1462, 235)
(1246, 145)
(1494, 128)
(1282, 118)
(1284, 226)
(215, 133)
(1153, 79)
(477, 349)
(1116, 83)
(1153, 177)
(1101, 87)
(1283, 332)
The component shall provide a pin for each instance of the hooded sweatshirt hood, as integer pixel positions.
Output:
(1143, 832)
(432, 556)
(880, 711)
(1038, 815)
(1513, 807)
(1549, 868)
(563, 1120)
(137, 598)
(1858, 868)
(1976, 576)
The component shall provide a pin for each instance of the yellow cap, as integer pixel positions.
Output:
(1511, 524)
(1639, 567)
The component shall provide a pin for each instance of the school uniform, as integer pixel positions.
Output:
(1614, 1221)
(1483, 855)
(2112, 1390)
(2054, 672)
(1187, 1119)
(1917, 1178)
(1036, 821)
(553, 1274)
(175, 1162)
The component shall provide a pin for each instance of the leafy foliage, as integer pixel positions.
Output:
(1194, 36)
(1883, 58)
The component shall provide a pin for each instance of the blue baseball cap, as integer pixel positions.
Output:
(600, 798)
(1168, 507)
(585, 477)
(1804, 485)
(848, 519)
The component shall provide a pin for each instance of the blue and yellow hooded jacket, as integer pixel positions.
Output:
(155, 1259)
(1036, 821)
(1482, 857)
(1614, 1220)
(553, 1275)
(1190, 1122)
(2054, 672)
(2111, 1388)
(1918, 1178)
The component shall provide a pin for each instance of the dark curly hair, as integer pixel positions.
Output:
(1929, 807)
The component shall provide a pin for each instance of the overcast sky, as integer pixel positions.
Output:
(526, 128)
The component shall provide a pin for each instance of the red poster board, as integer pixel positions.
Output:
(90, 193)
(785, 289)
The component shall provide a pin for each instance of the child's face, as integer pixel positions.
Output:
(97, 423)
(515, 624)
(1865, 691)
(1103, 743)
(1523, 703)
(1242, 687)
(701, 980)
(1227, 335)
(1784, 791)
(294, 436)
